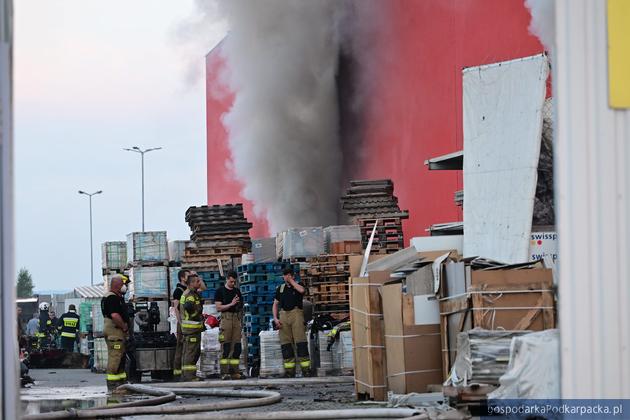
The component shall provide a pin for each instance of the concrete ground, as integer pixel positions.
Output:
(58, 389)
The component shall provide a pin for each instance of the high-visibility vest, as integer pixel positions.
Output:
(192, 320)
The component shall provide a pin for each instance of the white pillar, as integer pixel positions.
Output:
(592, 160)
(9, 388)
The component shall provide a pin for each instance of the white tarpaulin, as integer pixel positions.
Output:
(503, 105)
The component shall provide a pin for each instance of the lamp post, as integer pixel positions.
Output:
(91, 242)
(136, 149)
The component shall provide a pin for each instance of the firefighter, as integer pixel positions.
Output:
(115, 329)
(68, 326)
(289, 297)
(228, 300)
(45, 327)
(177, 295)
(192, 325)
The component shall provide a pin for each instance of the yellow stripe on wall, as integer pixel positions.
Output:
(619, 53)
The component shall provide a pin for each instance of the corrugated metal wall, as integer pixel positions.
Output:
(593, 197)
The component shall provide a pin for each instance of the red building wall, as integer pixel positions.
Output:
(415, 106)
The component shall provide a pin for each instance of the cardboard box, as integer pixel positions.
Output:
(346, 247)
(498, 295)
(368, 335)
(415, 354)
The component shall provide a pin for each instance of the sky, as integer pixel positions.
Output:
(91, 78)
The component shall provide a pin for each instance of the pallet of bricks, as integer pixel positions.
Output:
(371, 202)
(219, 237)
(258, 283)
(483, 304)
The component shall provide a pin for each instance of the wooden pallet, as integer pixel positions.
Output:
(214, 252)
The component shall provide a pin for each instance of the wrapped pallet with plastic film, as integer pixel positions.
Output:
(320, 355)
(97, 320)
(147, 247)
(114, 255)
(342, 353)
(208, 364)
(264, 250)
(271, 362)
(303, 242)
(176, 250)
(149, 282)
(100, 355)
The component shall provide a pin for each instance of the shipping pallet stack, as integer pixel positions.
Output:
(369, 201)
(388, 237)
(327, 283)
(219, 237)
(258, 283)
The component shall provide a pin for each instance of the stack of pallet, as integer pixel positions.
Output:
(372, 201)
(388, 237)
(327, 283)
(219, 235)
(258, 283)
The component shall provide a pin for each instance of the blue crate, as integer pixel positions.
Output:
(251, 319)
(259, 309)
(208, 294)
(253, 330)
(209, 275)
(252, 299)
(260, 288)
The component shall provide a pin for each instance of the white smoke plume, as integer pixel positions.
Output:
(281, 58)
(543, 23)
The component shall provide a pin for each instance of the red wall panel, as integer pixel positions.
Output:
(415, 106)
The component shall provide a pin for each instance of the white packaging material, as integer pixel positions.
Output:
(147, 246)
(264, 250)
(210, 309)
(97, 319)
(544, 246)
(325, 356)
(303, 242)
(100, 354)
(208, 363)
(114, 255)
(534, 368)
(172, 320)
(83, 346)
(342, 351)
(149, 282)
(271, 362)
(176, 250)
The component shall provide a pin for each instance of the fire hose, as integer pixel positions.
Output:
(164, 393)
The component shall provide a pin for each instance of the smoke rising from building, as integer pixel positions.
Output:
(283, 126)
(543, 21)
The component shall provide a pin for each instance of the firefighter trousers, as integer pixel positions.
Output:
(190, 355)
(115, 339)
(230, 336)
(177, 360)
(293, 340)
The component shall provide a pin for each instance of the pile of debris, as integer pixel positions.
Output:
(219, 237)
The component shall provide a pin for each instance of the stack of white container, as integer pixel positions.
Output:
(100, 355)
(97, 320)
(317, 348)
(208, 364)
(342, 353)
(271, 362)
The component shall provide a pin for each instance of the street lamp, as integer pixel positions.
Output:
(136, 149)
(91, 242)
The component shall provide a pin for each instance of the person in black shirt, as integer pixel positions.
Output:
(115, 329)
(177, 295)
(228, 300)
(291, 324)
